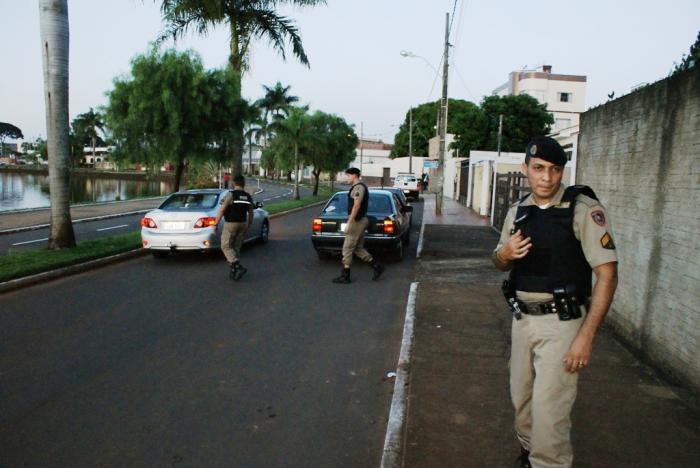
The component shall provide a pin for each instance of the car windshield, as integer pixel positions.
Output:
(405, 179)
(378, 203)
(190, 201)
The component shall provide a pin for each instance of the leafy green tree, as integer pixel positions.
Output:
(277, 100)
(53, 26)
(8, 130)
(464, 119)
(163, 111)
(523, 117)
(246, 21)
(330, 146)
(690, 60)
(86, 127)
(225, 109)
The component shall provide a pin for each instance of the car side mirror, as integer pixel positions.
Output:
(259, 204)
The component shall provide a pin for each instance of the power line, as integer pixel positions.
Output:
(454, 8)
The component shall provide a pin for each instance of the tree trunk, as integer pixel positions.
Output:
(236, 66)
(53, 21)
(317, 175)
(250, 155)
(296, 172)
(92, 140)
(179, 169)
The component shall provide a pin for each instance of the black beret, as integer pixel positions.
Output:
(548, 149)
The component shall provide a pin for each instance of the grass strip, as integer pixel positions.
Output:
(18, 264)
(25, 263)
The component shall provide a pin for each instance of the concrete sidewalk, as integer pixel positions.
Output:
(459, 409)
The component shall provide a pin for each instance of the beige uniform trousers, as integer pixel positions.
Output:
(354, 242)
(232, 237)
(541, 389)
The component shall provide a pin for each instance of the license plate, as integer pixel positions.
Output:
(174, 225)
(343, 226)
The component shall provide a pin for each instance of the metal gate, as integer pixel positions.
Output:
(510, 188)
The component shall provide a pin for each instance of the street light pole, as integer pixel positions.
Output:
(361, 144)
(410, 140)
(443, 121)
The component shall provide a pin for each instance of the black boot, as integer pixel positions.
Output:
(232, 270)
(237, 271)
(524, 459)
(344, 277)
(378, 270)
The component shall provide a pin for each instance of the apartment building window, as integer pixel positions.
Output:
(564, 97)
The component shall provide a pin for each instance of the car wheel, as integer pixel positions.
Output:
(159, 253)
(397, 254)
(323, 255)
(264, 232)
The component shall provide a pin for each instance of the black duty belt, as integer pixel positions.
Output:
(538, 308)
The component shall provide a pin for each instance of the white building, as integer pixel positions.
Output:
(564, 95)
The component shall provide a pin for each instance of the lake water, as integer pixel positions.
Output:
(29, 190)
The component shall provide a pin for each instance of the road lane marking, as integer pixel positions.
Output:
(31, 241)
(113, 227)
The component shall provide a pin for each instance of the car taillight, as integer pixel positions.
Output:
(318, 225)
(149, 223)
(205, 222)
(389, 226)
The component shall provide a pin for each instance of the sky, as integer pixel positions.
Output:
(354, 48)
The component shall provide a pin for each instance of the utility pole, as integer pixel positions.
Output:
(495, 167)
(410, 140)
(443, 120)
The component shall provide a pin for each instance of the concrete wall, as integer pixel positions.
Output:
(641, 154)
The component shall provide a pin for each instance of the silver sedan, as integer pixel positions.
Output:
(187, 221)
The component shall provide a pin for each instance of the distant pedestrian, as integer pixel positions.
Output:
(237, 210)
(424, 181)
(358, 200)
(552, 241)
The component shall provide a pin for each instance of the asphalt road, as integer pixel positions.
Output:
(169, 363)
(30, 240)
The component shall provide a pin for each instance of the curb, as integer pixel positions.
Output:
(393, 442)
(81, 267)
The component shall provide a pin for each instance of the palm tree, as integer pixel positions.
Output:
(246, 20)
(294, 131)
(89, 123)
(53, 19)
(277, 100)
(254, 129)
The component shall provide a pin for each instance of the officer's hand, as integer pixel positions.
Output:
(579, 354)
(347, 227)
(516, 247)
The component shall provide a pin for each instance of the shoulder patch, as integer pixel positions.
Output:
(607, 242)
(598, 217)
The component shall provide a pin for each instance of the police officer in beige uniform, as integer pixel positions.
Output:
(353, 244)
(237, 210)
(552, 241)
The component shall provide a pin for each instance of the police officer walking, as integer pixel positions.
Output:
(237, 210)
(358, 200)
(552, 241)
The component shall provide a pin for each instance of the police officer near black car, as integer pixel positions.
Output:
(237, 210)
(552, 242)
(353, 244)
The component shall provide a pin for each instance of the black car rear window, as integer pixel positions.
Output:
(190, 201)
(378, 203)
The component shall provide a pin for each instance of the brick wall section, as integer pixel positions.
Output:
(641, 155)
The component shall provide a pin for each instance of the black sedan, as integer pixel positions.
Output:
(388, 229)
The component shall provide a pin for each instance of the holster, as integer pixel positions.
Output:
(509, 293)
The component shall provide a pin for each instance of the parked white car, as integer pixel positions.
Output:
(408, 183)
(186, 221)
